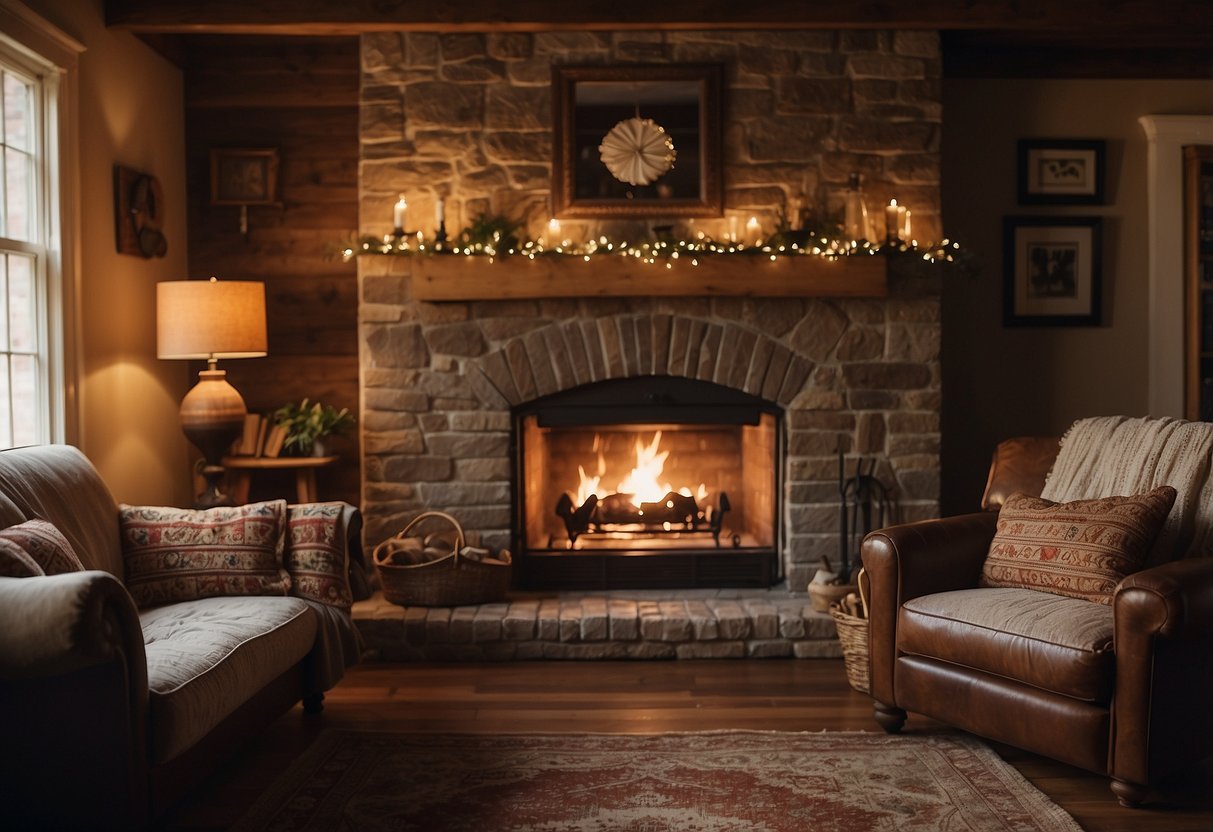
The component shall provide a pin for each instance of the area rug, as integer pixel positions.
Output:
(707, 782)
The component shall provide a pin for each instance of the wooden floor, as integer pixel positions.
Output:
(637, 697)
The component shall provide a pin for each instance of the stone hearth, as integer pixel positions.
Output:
(690, 624)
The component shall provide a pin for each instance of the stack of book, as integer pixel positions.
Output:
(260, 437)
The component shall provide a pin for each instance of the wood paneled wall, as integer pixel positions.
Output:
(299, 95)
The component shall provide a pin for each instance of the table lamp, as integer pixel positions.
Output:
(211, 319)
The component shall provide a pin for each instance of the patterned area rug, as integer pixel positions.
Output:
(710, 782)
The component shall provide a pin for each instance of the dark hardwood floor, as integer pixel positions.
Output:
(638, 697)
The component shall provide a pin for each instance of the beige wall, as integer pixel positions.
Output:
(130, 112)
(1035, 381)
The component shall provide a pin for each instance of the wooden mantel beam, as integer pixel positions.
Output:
(350, 17)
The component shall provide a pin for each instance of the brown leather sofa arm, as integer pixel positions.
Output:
(1164, 638)
(1173, 600)
(904, 562)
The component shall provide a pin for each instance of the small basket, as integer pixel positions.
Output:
(853, 636)
(450, 581)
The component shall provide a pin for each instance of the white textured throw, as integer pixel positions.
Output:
(1117, 456)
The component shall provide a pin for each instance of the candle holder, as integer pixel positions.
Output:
(440, 234)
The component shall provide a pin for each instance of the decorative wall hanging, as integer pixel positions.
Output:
(1061, 171)
(590, 102)
(244, 177)
(638, 151)
(1051, 271)
(138, 213)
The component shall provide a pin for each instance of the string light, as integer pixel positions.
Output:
(665, 251)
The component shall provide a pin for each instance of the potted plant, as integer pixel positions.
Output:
(307, 424)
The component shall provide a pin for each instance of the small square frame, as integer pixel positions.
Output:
(244, 176)
(1051, 271)
(1061, 171)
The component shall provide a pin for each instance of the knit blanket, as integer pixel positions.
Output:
(1117, 455)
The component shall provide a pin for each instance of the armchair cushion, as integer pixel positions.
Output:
(1057, 644)
(175, 554)
(43, 544)
(1081, 549)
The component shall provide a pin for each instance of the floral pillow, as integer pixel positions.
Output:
(35, 548)
(1081, 549)
(316, 554)
(174, 554)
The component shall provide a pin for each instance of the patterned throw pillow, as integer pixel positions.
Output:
(39, 544)
(174, 554)
(1081, 549)
(316, 554)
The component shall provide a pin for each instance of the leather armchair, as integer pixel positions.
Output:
(1121, 692)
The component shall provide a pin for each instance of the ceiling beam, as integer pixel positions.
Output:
(350, 17)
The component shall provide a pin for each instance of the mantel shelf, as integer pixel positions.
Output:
(455, 278)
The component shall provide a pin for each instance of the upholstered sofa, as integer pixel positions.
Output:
(1116, 682)
(110, 710)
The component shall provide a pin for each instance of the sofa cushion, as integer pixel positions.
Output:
(44, 545)
(1082, 549)
(205, 658)
(316, 554)
(1048, 641)
(15, 562)
(175, 554)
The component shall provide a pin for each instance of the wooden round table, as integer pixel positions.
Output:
(241, 470)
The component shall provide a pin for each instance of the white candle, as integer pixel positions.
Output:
(399, 212)
(753, 231)
(554, 227)
(732, 234)
(439, 212)
(905, 227)
(894, 215)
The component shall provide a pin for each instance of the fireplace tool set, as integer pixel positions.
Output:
(617, 515)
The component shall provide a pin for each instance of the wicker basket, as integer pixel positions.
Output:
(450, 581)
(853, 635)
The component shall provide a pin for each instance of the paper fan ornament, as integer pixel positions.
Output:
(637, 151)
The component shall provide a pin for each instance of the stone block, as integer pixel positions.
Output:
(486, 626)
(392, 442)
(650, 620)
(777, 371)
(444, 105)
(460, 630)
(480, 420)
(818, 331)
(570, 621)
(575, 353)
(650, 650)
(396, 345)
(591, 336)
(861, 345)
(764, 618)
(548, 620)
(624, 619)
(461, 47)
(812, 96)
(513, 147)
(595, 623)
(703, 622)
(791, 623)
(799, 370)
(415, 625)
(914, 342)
(891, 375)
(877, 136)
(474, 71)
(520, 370)
(775, 648)
(508, 46)
(790, 138)
(541, 363)
(732, 621)
(711, 650)
(818, 625)
(726, 354)
(437, 625)
(559, 357)
(417, 468)
(870, 434)
(464, 445)
(519, 621)
(463, 339)
(612, 348)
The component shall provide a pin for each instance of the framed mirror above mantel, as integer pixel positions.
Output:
(682, 100)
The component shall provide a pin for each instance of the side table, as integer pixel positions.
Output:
(241, 470)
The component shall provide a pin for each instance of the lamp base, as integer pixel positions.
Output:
(212, 416)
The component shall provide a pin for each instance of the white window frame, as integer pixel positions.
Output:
(39, 49)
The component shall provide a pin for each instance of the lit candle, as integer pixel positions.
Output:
(439, 212)
(894, 215)
(905, 227)
(753, 231)
(554, 228)
(732, 228)
(398, 213)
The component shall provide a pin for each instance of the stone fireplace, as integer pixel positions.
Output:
(450, 390)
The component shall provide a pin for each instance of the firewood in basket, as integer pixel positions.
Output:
(441, 540)
(474, 553)
(432, 553)
(404, 551)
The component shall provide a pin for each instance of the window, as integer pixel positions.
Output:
(31, 374)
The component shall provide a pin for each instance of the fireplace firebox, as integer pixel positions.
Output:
(651, 482)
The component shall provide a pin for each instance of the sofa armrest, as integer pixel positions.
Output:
(73, 697)
(904, 562)
(1163, 638)
(60, 623)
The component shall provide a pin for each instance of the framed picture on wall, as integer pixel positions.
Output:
(1061, 171)
(1051, 271)
(242, 176)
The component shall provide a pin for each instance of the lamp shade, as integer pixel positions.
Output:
(210, 319)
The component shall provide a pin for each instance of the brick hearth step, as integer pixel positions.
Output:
(619, 624)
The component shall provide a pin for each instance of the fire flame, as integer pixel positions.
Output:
(642, 484)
